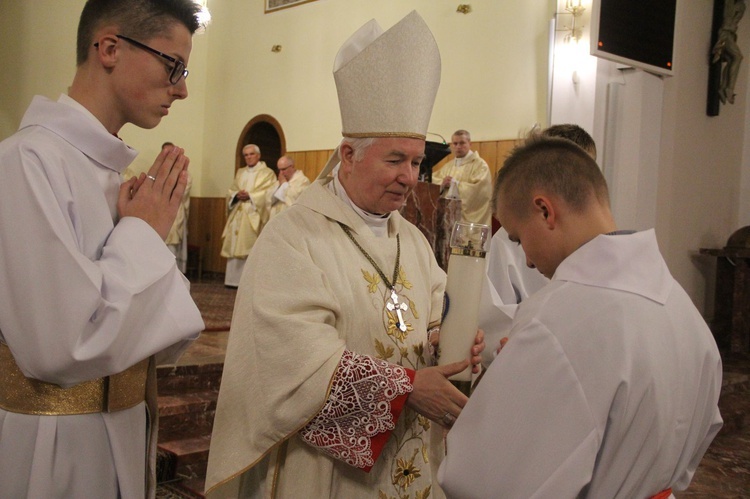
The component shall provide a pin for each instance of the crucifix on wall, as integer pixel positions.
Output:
(725, 57)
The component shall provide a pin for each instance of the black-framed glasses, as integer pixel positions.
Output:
(179, 71)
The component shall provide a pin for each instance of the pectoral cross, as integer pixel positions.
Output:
(398, 307)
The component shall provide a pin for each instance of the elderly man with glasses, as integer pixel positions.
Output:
(291, 183)
(90, 296)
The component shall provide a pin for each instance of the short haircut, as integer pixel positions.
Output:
(289, 160)
(556, 165)
(138, 19)
(574, 133)
(463, 133)
(254, 147)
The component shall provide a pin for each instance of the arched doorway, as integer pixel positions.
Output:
(265, 132)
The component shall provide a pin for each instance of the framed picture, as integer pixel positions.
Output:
(274, 5)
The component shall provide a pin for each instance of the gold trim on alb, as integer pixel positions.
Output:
(23, 395)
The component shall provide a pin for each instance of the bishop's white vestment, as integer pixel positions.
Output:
(474, 186)
(320, 361)
(607, 387)
(83, 295)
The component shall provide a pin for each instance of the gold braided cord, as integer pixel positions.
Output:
(405, 135)
(372, 262)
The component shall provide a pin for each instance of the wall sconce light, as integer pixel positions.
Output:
(464, 8)
(574, 9)
(276, 48)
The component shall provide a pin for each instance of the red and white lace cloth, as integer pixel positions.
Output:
(366, 399)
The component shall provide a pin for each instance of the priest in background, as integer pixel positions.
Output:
(471, 176)
(248, 212)
(291, 182)
(330, 387)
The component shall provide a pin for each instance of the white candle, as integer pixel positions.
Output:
(466, 268)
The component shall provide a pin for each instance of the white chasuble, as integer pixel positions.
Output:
(320, 355)
(246, 218)
(474, 186)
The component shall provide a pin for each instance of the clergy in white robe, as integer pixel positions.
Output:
(327, 313)
(609, 383)
(248, 212)
(329, 388)
(90, 297)
(472, 177)
(291, 182)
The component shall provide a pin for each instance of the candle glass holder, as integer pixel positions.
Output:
(466, 270)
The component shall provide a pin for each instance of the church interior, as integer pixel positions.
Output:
(260, 73)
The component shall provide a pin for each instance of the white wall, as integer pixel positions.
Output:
(701, 166)
(669, 165)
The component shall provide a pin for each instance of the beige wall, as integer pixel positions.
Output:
(494, 63)
(494, 72)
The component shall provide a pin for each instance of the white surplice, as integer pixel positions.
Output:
(507, 282)
(312, 298)
(608, 386)
(82, 296)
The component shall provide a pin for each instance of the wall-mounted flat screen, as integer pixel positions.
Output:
(638, 33)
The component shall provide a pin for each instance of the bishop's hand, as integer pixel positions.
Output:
(434, 397)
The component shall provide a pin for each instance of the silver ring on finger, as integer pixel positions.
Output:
(448, 419)
(151, 177)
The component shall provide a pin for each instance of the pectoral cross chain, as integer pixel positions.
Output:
(398, 307)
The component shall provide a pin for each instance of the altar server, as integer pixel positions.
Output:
(609, 383)
(90, 296)
(329, 386)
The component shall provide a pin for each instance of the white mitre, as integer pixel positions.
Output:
(387, 81)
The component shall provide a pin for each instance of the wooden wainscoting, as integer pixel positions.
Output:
(208, 216)
(311, 163)
(493, 152)
(206, 221)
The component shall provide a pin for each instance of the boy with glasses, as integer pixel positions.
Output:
(90, 295)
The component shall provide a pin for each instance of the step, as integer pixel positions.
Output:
(188, 456)
(187, 415)
(182, 489)
(182, 379)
